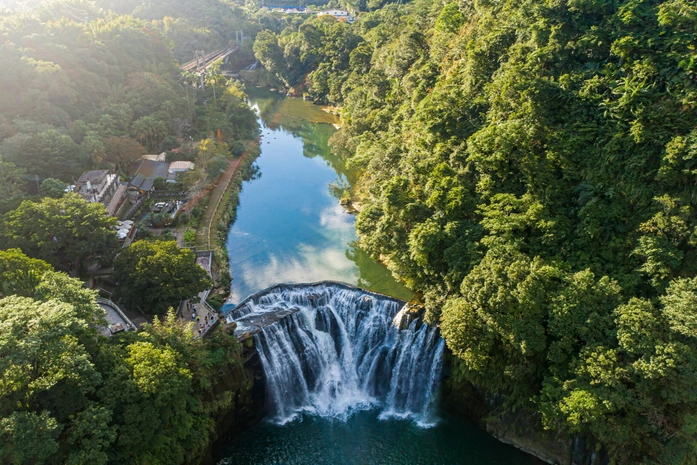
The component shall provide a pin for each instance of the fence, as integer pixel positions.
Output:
(109, 303)
(181, 194)
(135, 207)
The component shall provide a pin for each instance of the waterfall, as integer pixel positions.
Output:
(336, 349)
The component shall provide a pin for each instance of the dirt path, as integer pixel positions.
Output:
(203, 232)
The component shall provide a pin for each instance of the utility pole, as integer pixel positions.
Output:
(200, 57)
(239, 37)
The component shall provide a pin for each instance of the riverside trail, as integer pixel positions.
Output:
(203, 232)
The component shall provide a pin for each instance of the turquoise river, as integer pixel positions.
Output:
(291, 228)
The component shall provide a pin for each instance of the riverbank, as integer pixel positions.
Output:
(224, 215)
(221, 205)
(291, 227)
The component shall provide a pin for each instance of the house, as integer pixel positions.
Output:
(178, 167)
(341, 15)
(101, 186)
(144, 180)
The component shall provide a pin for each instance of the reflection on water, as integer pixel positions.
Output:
(290, 227)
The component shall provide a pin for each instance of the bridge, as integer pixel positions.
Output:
(202, 61)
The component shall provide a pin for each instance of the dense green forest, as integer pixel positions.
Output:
(70, 396)
(79, 95)
(528, 167)
(96, 84)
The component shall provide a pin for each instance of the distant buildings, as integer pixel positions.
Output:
(144, 179)
(104, 186)
(288, 9)
(97, 186)
(341, 15)
(178, 167)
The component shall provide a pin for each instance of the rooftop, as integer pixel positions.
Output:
(180, 166)
(94, 176)
(153, 169)
(160, 157)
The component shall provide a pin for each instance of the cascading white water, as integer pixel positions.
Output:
(337, 349)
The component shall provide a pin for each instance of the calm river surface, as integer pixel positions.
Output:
(291, 228)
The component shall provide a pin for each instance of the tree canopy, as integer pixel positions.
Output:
(19, 274)
(65, 231)
(526, 168)
(71, 396)
(156, 276)
(91, 84)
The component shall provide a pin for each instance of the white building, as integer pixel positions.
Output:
(180, 166)
(341, 15)
(97, 186)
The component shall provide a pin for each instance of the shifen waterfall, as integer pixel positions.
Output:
(328, 349)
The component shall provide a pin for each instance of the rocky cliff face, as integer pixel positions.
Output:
(521, 429)
(246, 384)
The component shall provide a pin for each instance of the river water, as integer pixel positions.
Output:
(291, 228)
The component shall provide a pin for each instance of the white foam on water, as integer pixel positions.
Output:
(342, 353)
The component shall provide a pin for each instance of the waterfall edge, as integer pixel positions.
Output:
(330, 349)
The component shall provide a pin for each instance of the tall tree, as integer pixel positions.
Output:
(47, 373)
(12, 183)
(156, 276)
(19, 274)
(68, 231)
(121, 152)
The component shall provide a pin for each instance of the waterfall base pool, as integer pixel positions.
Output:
(351, 379)
(366, 440)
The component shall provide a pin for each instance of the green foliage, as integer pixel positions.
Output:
(190, 235)
(228, 112)
(120, 152)
(53, 188)
(68, 231)
(157, 385)
(450, 18)
(12, 184)
(64, 109)
(70, 396)
(28, 438)
(528, 168)
(160, 184)
(19, 274)
(101, 94)
(156, 276)
(319, 49)
(47, 374)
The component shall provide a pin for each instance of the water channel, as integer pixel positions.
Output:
(291, 228)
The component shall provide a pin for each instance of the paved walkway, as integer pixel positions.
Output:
(203, 233)
(200, 313)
